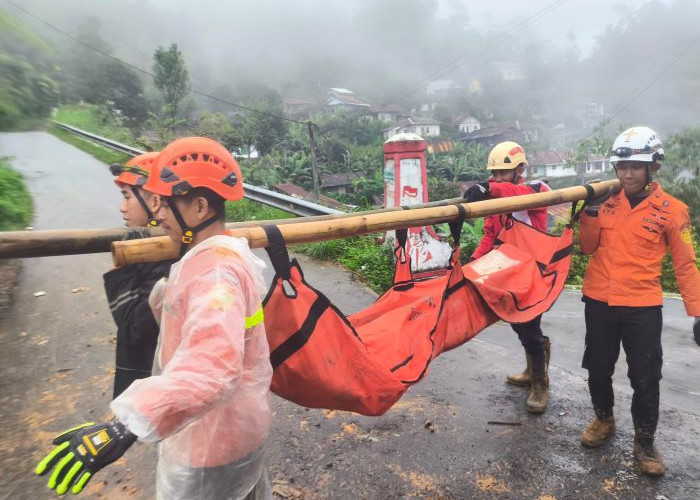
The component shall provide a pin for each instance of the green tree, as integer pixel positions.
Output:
(28, 90)
(122, 90)
(25, 93)
(266, 127)
(683, 152)
(215, 126)
(171, 78)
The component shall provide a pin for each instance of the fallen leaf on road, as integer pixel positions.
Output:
(368, 437)
(286, 491)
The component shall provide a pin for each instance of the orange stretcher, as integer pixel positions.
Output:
(365, 362)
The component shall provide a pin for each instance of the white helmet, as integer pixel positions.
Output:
(637, 144)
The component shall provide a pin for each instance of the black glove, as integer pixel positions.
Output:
(592, 206)
(477, 192)
(136, 233)
(82, 451)
(696, 330)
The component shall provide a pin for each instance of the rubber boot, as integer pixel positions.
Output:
(524, 379)
(538, 398)
(597, 431)
(646, 456)
(539, 395)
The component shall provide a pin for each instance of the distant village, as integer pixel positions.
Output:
(466, 128)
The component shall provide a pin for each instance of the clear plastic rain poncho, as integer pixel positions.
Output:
(208, 401)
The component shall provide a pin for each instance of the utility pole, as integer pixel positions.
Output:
(314, 172)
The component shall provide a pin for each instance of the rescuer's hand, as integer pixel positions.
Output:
(82, 451)
(592, 206)
(477, 192)
(696, 330)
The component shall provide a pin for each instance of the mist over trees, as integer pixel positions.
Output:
(385, 53)
(642, 68)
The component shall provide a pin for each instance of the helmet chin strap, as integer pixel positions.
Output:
(188, 233)
(152, 222)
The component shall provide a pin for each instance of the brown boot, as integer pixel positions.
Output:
(524, 379)
(646, 456)
(598, 431)
(539, 395)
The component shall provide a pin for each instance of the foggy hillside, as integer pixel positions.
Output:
(387, 51)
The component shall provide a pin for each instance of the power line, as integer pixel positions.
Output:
(655, 78)
(453, 64)
(148, 73)
(660, 73)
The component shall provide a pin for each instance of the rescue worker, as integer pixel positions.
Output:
(627, 236)
(207, 403)
(128, 287)
(506, 163)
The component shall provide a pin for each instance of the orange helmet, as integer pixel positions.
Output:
(193, 162)
(135, 171)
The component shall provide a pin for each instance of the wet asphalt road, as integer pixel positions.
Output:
(439, 442)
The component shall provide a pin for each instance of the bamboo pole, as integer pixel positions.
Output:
(22, 244)
(162, 248)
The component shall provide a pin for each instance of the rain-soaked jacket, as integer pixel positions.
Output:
(208, 401)
(128, 289)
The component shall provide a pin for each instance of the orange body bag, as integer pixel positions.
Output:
(365, 362)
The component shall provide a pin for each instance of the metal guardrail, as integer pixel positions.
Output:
(283, 202)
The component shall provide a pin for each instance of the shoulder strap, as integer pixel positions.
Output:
(576, 214)
(277, 251)
(456, 224)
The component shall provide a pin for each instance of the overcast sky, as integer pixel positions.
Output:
(559, 19)
(585, 19)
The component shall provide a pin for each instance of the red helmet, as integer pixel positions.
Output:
(193, 162)
(135, 171)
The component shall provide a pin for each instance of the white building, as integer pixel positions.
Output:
(554, 164)
(342, 99)
(425, 127)
(468, 124)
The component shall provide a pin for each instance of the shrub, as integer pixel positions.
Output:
(15, 201)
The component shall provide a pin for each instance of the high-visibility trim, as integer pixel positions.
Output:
(81, 483)
(86, 424)
(255, 319)
(59, 469)
(68, 479)
(44, 464)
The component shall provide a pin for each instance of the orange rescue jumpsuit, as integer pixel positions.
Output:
(623, 297)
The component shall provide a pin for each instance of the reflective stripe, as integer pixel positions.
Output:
(255, 319)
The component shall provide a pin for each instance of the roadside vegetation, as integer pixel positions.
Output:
(105, 155)
(15, 200)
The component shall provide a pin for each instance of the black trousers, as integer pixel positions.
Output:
(532, 339)
(639, 331)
